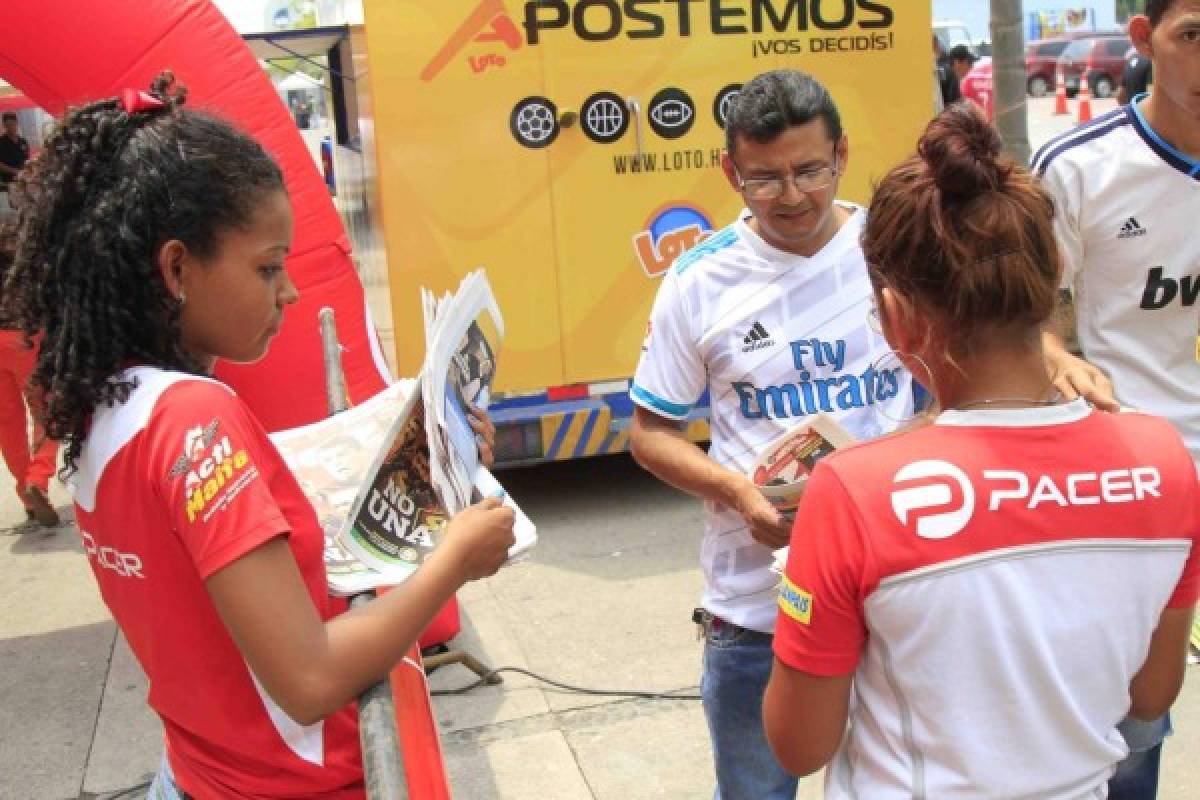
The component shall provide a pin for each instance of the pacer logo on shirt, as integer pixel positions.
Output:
(215, 472)
(126, 565)
(795, 602)
(935, 499)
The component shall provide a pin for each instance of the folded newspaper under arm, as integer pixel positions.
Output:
(781, 471)
(385, 477)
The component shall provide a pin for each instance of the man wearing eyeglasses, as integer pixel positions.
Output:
(771, 316)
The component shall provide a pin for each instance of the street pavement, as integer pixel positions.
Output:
(603, 602)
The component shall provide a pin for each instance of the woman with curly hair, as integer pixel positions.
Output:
(152, 244)
(985, 598)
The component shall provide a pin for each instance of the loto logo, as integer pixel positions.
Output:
(934, 497)
(488, 24)
(669, 232)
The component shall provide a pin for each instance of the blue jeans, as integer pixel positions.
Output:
(737, 664)
(1136, 777)
(164, 787)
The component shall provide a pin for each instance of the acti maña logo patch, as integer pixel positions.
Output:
(669, 232)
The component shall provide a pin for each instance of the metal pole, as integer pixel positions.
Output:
(1008, 78)
(335, 380)
(383, 760)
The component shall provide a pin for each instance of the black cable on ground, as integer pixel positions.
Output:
(139, 791)
(671, 694)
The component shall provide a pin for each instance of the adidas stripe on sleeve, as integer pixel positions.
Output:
(671, 375)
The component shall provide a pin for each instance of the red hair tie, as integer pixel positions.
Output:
(135, 101)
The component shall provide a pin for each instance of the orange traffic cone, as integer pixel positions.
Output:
(1085, 101)
(1060, 94)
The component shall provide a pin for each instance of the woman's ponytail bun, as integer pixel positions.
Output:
(962, 150)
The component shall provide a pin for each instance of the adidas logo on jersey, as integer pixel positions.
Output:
(756, 339)
(1130, 229)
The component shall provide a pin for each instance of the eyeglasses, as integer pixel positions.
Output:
(809, 180)
(874, 321)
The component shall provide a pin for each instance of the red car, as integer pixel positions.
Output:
(1041, 60)
(1099, 59)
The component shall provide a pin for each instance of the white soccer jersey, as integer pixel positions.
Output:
(1127, 207)
(773, 337)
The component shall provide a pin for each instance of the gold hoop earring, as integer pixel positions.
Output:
(182, 297)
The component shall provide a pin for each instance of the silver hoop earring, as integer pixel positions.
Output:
(877, 367)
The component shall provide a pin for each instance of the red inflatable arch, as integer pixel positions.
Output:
(63, 52)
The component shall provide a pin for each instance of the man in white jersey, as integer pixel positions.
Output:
(770, 316)
(1127, 191)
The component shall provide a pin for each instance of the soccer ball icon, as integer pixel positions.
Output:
(534, 122)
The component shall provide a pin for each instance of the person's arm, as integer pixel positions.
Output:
(313, 668)
(659, 445)
(1157, 683)
(820, 630)
(1073, 376)
(671, 375)
(237, 536)
(805, 743)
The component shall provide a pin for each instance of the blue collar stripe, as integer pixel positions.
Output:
(1176, 158)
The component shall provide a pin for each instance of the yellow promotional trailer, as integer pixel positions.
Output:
(571, 148)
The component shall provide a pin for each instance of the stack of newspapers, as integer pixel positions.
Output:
(384, 477)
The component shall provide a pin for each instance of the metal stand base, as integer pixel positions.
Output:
(466, 659)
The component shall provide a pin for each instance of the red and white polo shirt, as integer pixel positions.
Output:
(992, 582)
(174, 484)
